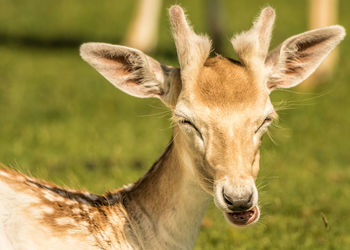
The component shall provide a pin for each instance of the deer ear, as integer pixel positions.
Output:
(130, 70)
(297, 57)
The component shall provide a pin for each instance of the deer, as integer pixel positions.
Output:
(220, 108)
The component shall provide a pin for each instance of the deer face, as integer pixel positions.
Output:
(221, 108)
(221, 119)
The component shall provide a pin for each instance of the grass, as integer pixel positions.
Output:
(62, 122)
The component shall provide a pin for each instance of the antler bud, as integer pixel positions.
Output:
(192, 49)
(252, 46)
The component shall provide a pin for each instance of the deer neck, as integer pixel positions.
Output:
(167, 204)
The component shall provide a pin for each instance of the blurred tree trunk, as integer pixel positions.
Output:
(143, 30)
(322, 13)
(215, 25)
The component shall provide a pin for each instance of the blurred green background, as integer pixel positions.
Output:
(61, 121)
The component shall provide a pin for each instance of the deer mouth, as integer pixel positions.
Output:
(243, 218)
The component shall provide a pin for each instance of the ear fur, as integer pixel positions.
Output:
(128, 69)
(252, 46)
(299, 56)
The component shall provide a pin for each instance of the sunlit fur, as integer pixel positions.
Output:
(221, 108)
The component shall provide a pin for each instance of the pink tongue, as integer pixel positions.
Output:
(241, 218)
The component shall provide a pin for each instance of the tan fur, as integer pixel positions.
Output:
(222, 82)
(221, 109)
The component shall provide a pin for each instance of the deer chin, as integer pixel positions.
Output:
(243, 218)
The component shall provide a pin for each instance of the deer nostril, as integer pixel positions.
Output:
(238, 204)
(227, 199)
(250, 198)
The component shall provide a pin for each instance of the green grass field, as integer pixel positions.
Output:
(61, 121)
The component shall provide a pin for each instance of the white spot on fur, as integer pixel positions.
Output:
(49, 196)
(84, 207)
(70, 202)
(76, 210)
(83, 224)
(46, 209)
(77, 230)
(36, 213)
(59, 198)
(4, 174)
(65, 220)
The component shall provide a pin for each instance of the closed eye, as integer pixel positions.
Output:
(189, 123)
(267, 120)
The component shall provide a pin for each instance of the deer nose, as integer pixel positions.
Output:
(241, 203)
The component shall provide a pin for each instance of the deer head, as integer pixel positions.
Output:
(221, 107)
